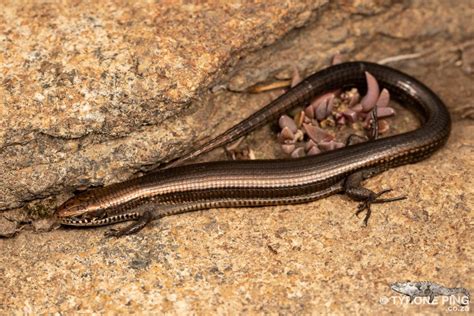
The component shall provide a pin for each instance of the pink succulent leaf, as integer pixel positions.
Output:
(317, 134)
(288, 148)
(324, 109)
(369, 100)
(286, 121)
(330, 104)
(298, 152)
(282, 140)
(310, 143)
(341, 120)
(350, 115)
(326, 146)
(384, 98)
(330, 145)
(309, 111)
(296, 77)
(313, 151)
(321, 111)
(287, 134)
(321, 99)
(385, 111)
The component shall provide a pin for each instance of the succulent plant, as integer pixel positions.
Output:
(307, 132)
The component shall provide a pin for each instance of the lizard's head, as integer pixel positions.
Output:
(78, 206)
(401, 287)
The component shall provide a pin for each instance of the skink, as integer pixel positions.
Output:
(270, 182)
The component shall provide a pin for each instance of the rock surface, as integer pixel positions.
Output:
(88, 93)
(103, 91)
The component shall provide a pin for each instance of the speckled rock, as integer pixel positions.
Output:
(87, 89)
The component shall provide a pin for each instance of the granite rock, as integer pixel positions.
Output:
(88, 90)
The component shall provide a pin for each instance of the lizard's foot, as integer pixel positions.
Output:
(131, 229)
(374, 198)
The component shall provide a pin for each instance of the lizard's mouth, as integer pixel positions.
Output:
(76, 221)
(95, 221)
